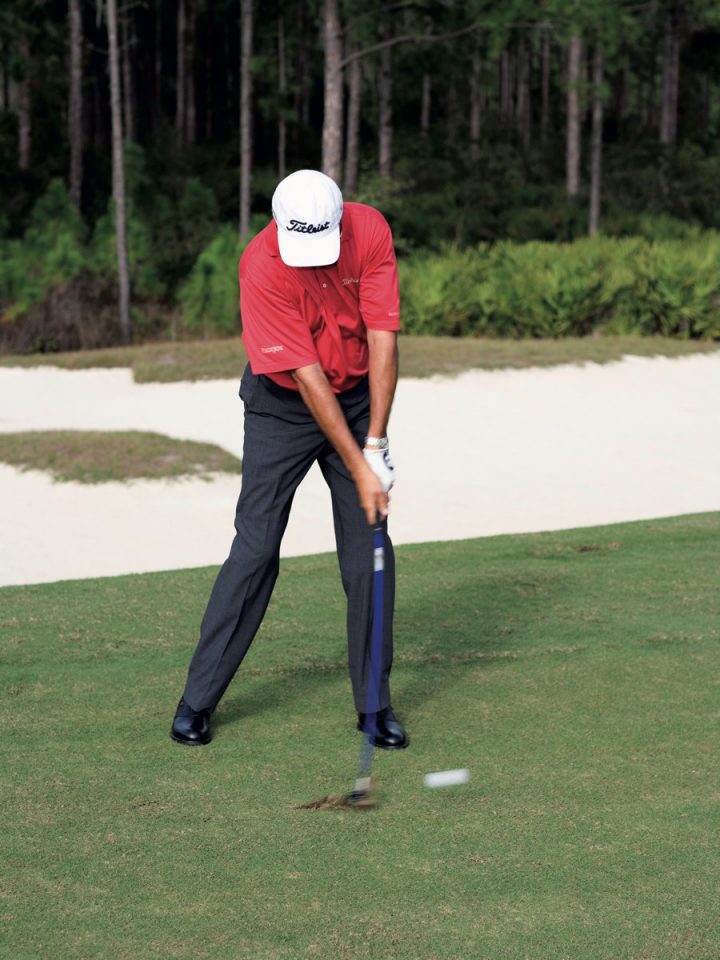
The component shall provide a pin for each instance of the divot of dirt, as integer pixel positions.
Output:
(351, 801)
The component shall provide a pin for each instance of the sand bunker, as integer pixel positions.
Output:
(484, 453)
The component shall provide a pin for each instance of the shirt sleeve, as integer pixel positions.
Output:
(379, 289)
(275, 335)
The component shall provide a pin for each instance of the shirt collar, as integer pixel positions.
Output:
(271, 240)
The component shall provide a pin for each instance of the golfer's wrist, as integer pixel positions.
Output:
(356, 464)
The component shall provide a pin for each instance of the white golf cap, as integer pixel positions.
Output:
(307, 207)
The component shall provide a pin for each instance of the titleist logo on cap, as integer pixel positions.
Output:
(300, 226)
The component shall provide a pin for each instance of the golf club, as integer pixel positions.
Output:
(362, 794)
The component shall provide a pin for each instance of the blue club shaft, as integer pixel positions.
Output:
(376, 649)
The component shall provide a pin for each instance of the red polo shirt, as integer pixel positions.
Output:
(295, 316)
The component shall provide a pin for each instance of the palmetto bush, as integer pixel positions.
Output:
(670, 288)
(439, 292)
(620, 285)
(542, 290)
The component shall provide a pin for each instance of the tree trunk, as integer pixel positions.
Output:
(282, 93)
(620, 92)
(75, 118)
(180, 80)
(651, 114)
(246, 129)
(190, 56)
(705, 108)
(126, 42)
(118, 176)
(4, 85)
(23, 108)
(425, 101)
(158, 64)
(505, 86)
(670, 80)
(99, 131)
(385, 115)
(333, 103)
(572, 157)
(352, 134)
(545, 85)
(210, 57)
(596, 141)
(522, 109)
(452, 109)
(302, 86)
(475, 98)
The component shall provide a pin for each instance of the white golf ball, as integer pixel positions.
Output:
(446, 778)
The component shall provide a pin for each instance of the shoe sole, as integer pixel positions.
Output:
(389, 746)
(392, 746)
(189, 743)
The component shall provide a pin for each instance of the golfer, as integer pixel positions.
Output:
(320, 313)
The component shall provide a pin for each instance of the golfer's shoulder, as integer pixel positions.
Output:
(366, 222)
(261, 258)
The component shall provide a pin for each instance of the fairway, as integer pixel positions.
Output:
(576, 674)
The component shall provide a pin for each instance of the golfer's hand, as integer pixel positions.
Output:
(381, 465)
(373, 499)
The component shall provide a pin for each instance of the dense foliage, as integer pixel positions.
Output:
(472, 178)
(58, 282)
(616, 285)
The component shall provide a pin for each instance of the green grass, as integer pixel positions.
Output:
(577, 674)
(419, 356)
(89, 456)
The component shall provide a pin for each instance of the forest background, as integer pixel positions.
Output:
(547, 168)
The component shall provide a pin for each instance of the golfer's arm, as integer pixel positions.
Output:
(323, 405)
(383, 376)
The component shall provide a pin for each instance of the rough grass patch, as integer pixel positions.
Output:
(420, 356)
(89, 456)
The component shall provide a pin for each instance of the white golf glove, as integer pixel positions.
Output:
(382, 466)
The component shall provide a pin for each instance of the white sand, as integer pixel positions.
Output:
(485, 453)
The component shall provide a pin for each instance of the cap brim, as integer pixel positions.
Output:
(309, 250)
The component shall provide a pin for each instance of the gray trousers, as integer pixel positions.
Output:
(282, 441)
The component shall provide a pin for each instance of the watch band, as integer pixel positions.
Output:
(380, 443)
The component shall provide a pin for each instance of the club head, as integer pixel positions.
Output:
(360, 799)
(363, 796)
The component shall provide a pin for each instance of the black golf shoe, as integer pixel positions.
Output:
(389, 733)
(191, 727)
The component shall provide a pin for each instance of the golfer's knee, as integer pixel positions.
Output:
(356, 570)
(253, 551)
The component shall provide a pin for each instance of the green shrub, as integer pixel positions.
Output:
(59, 292)
(145, 281)
(180, 230)
(49, 255)
(625, 285)
(439, 292)
(670, 288)
(540, 290)
(209, 298)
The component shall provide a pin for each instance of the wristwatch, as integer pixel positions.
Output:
(379, 443)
